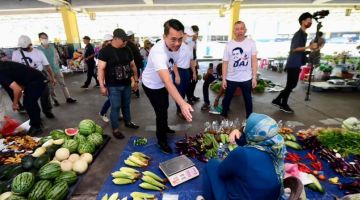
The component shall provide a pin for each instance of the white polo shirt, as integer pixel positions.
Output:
(185, 56)
(35, 58)
(238, 54)
(159, 58)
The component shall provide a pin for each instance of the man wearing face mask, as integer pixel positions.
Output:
(296, 59)
(53, 58)
(36, 59)
(88, 57)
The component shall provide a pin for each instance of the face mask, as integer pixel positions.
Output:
(308, 25)
(44, 41)
(188, 40)
(25, 49)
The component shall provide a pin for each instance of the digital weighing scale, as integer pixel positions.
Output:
(179, 170)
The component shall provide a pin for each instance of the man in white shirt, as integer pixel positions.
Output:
(239, 68)
(183, 63)
(157, 81)
(36, 59)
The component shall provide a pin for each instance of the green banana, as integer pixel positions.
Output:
(152, 181)
(122, 181)
(105, 197)
(293, 137)
(114, 196)
(293, 145)
(131, 163)
(141, 154)
(128, 169)
(154, 176)
(136, 160)
(148, 186)
(142, 195)
(227, 138)
(222, 138)
(122, 174)
(316, 186)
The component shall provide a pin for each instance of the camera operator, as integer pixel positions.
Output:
(296, 59)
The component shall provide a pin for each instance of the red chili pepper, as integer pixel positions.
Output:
(293, 157)
(317, 165)
(302, 167)
(311, 156)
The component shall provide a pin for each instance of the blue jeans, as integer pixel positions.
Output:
(120, 97)
(246, 88)
(184, 83)
(105, 107)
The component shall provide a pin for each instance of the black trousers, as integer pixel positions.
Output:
(191, 88)
(205, 88)
(91, 74)
(291, 82)
(32, 93)
(45, 100)
(159, 99)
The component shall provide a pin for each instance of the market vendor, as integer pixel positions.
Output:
(254, 170)
(21, 78)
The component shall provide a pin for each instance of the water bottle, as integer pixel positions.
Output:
(220, 151)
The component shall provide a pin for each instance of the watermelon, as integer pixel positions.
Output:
(86, 147)
(41, 161)
(22, 183)
(71, 131)
(69, 177)
(27, 162)
(58, 191)
(49, 171)
(87, 126)
(50, 151)
(95, 138)
(16, 197)
(71, 144)
(39, 190)
(80, 138)
(58, 134)
(99, 129)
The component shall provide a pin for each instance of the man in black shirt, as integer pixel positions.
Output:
(20, 78)
(138, 59)
(88, 56)
(115, 64)
(191, 88)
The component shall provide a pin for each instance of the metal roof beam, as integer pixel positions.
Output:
(56, 2)
(321, 1)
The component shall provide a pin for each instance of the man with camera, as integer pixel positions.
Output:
(296, 59)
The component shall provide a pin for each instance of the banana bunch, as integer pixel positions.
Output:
(114, 196)
(151, 181)
(224, 138)
(125, 175)
(137, 159)
(142, 196)
(288, 137)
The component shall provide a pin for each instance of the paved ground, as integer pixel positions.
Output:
(326, 107)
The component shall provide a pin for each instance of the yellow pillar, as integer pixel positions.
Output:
(235, 13)
(71, 26)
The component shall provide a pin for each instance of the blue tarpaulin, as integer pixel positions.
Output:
(191, 189)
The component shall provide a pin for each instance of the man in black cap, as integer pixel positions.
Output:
(138, 59)
(21, 78)
(116, 66)
(296, 59)
(88, 56)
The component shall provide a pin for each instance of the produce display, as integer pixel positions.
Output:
(15, 148)
(48, 171)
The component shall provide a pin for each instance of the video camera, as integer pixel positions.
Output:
(320, 14)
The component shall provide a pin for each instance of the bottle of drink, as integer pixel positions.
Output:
(220, 151)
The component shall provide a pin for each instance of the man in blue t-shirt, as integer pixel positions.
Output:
(296, 59)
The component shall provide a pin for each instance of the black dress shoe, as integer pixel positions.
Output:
(131, 125)
(165, 148)
(117, 134)
(85, 87)
(169, 130)
(70, 100)
(56, 103)
(195, 98)
(49, 115)
(35, 131)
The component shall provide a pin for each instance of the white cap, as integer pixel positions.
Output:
(188, 31)
(129, 33)
(24, 41)
(108, 37)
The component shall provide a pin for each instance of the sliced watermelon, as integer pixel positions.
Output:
(71, 131)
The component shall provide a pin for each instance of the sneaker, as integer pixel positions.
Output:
(276, 103)
(70, 100)
(132, 125)
(85, 87)
(117, 134)
(205, 106)
(49, 115)
(286, 108)
(56, 103)
(165, 148)
(215, 110)
(104, 118)
(190, 102)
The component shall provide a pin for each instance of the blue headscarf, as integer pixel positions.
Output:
(261, 132)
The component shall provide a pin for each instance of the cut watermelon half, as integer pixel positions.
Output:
(71, 131)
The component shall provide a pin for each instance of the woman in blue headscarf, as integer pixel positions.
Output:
(254, 170)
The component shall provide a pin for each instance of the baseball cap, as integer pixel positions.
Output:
(108, 37)
(86, 37)
(120, 33)
(24, 41)
(189, 31)
(130, 33)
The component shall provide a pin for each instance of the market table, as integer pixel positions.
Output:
(189, 190)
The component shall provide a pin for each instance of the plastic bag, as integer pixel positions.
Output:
(9, 126)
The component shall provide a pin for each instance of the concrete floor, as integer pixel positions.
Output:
(326, 107)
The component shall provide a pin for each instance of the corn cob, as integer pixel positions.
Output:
(122, 174)
(136, 160)
(114, 196)
(149, 179)
(131, 163)
(148, 186)
(154, 176)
(141, 154)
(105, 197)
(128, 169)
(142, 195)
(122, 181)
